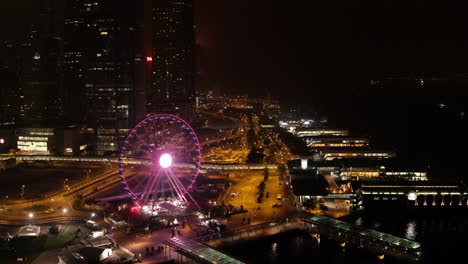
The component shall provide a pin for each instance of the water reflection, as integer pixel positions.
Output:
(274, 248)
(410, 231)
(358, 221)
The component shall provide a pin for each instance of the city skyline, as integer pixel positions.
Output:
(311, 56)
(320, 63)
(208, 131)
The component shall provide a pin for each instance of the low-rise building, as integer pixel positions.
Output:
(29, 231)
(72, 258)
(42, 139)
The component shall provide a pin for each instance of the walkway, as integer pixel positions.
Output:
(208, 166)
(200, 252)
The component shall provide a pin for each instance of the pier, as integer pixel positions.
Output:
(200, 253)
(251, 232)
(381, 244)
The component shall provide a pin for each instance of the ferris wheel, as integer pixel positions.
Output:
(159, 163)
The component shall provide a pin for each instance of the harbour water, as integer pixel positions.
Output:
(444, 237)
(426, 126)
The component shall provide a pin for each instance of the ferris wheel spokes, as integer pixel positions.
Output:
(154, 177)
(180, 186)
(153, 145)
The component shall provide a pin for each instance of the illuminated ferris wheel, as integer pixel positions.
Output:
(159, 163)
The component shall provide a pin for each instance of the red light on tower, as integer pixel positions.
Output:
(149, 58)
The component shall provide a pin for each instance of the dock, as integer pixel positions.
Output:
(381, 244)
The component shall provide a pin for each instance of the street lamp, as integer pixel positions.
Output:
(65, 183)
(31, 215)
(64, 210)
(22, 190)
(93, 215)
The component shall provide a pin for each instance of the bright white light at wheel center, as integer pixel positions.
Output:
(165, 160)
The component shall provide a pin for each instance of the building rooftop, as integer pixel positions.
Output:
(72, 258)
(29, 231)
(387, 238)
(101, 241)
(308, 183)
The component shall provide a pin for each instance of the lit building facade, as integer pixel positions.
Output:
(36, 141)
(101, 58)
(52, 140)
(354, 154)
(413, 195)
(321, 132)
(336, 142)
(11, 91)
(173, 58)
(41, 75)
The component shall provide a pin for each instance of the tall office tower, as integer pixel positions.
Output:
(40, 57)
(173, 60)
(10, 89)
(104, 89)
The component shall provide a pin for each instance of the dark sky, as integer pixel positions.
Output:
(313, 50)
(324, 53)
(324, 48)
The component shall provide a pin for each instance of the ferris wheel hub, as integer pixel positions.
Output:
(165, 160)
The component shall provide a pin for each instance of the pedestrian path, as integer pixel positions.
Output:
(200, 252)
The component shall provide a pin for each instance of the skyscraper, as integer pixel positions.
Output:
(100, 60)
(40, 55)
(173, 60)
(124, 59)
(10, 86)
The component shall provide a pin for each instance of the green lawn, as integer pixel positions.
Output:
(63, 238)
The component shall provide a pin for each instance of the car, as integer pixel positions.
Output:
(54, 229)
(48, 211)
(92, 224)
(276, 205)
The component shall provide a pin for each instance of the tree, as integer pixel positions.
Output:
(255, 155)
(281, 170)
(265, 174)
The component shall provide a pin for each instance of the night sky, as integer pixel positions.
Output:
(323, 54)
(312, 48)
(320, 48)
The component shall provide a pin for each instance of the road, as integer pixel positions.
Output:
(245, 189)
(60, 202)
